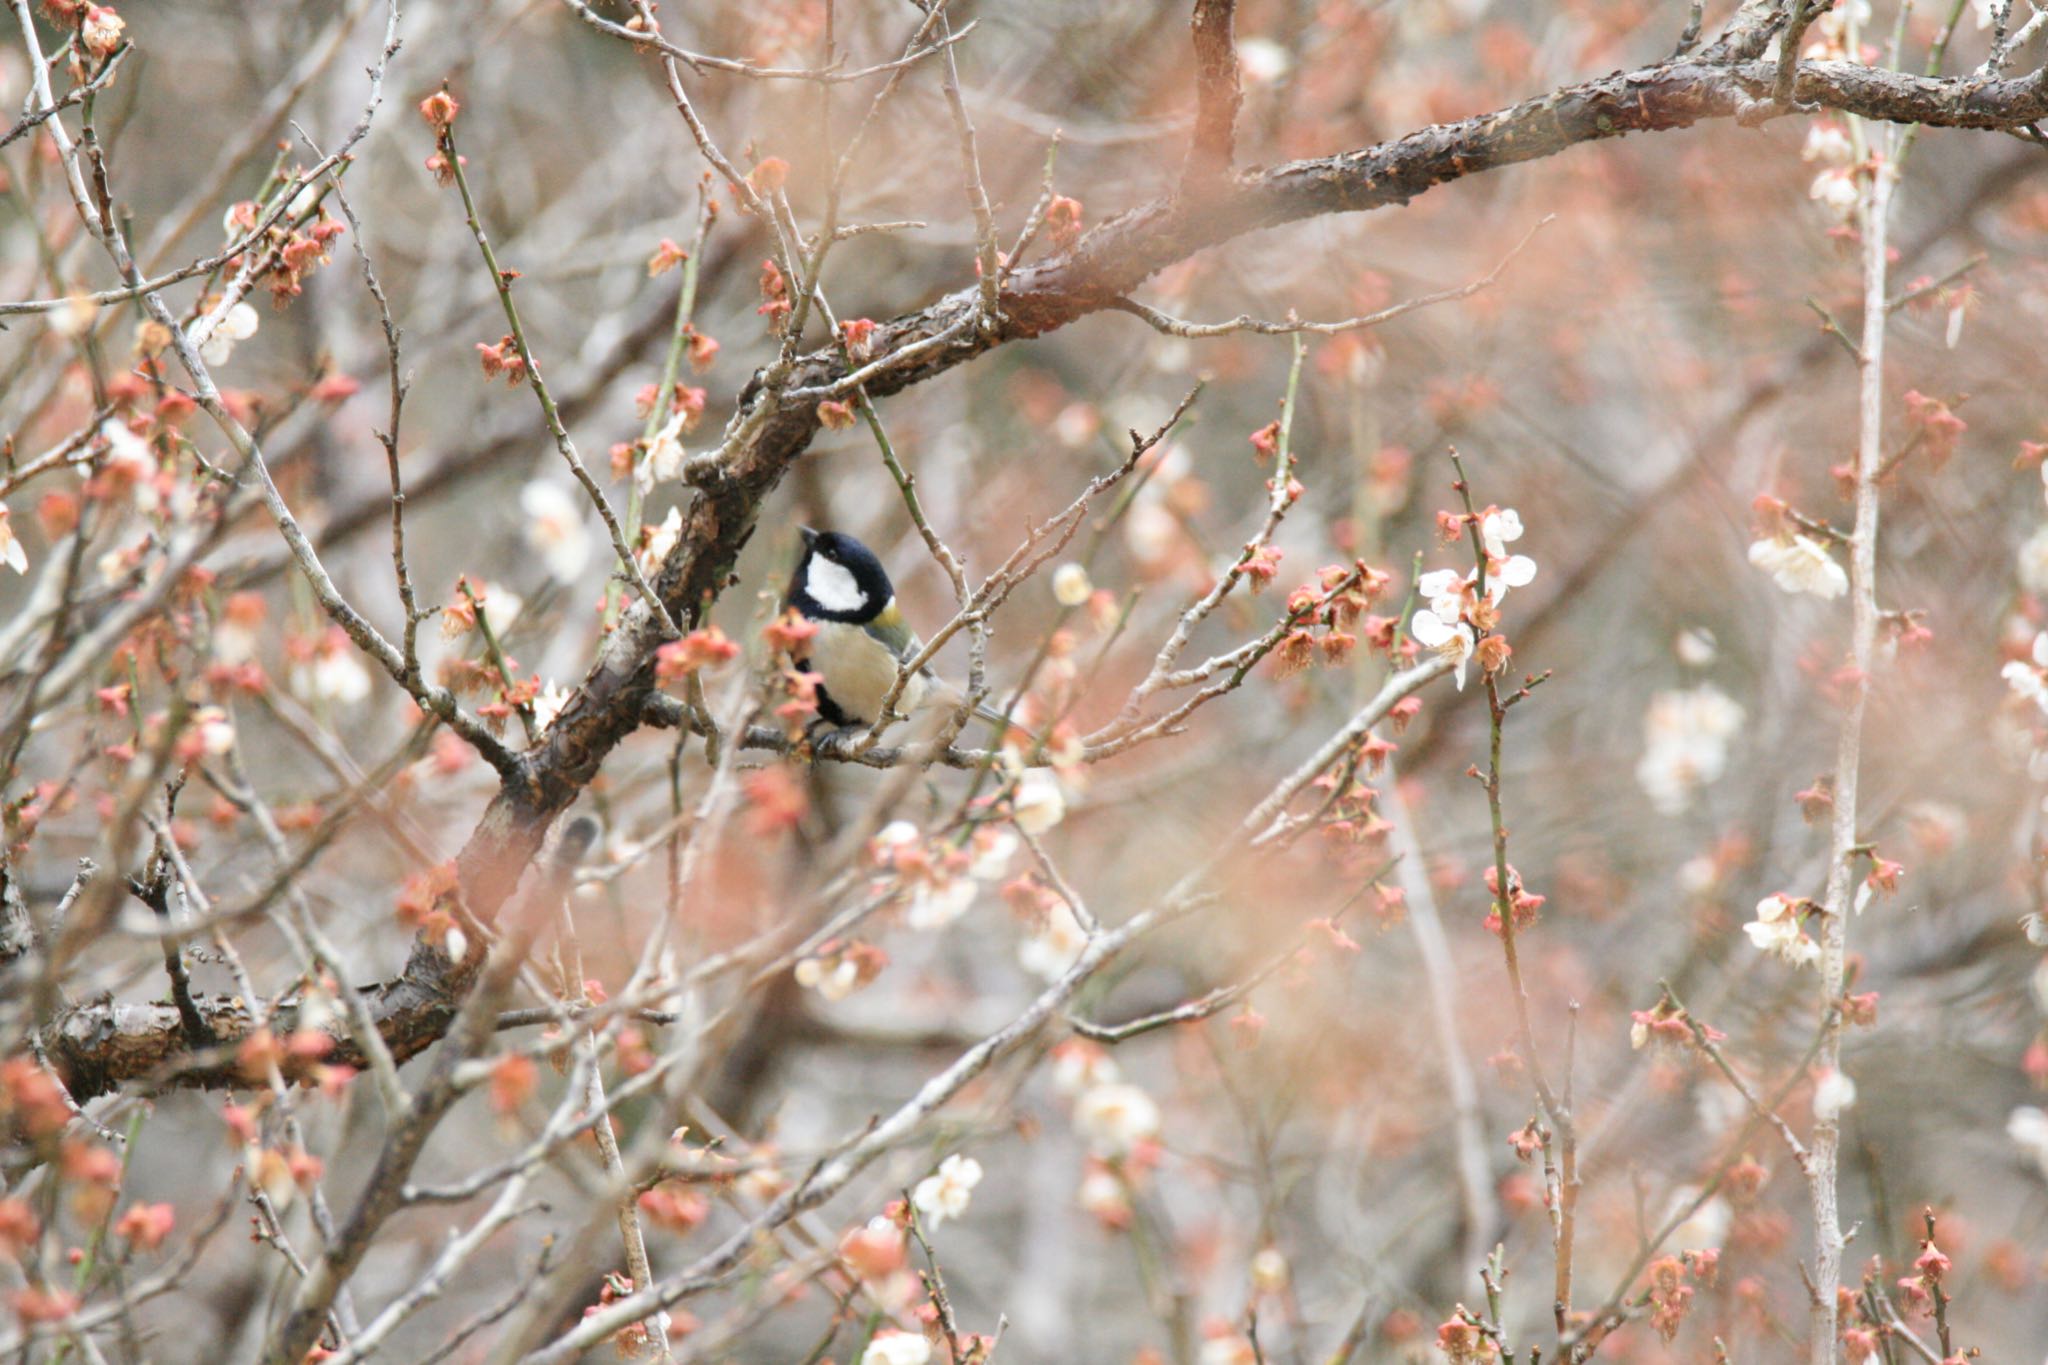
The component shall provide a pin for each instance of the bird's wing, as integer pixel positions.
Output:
(894, 633)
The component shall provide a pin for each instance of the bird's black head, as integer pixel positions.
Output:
(839, 579)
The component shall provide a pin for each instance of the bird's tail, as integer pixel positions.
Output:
(949, 694)
(999, 720)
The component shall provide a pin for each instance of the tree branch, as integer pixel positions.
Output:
(1218, 92)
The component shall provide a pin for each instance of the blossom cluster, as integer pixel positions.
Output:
(1461, 610)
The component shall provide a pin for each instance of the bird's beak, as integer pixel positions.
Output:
(810, 536)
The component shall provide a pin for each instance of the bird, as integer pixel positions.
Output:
(862, 639)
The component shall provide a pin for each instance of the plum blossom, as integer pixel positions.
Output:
(1832, 1093)
(1227, 1348)
(1799, 563)
(2030, 680)
(1070, 585)
(1497, 529)
(554, 528)
(835, 978)
(1695, 647)
(1104, 1195)
(547, 704)
(2033, 563)
(990, 854)
(1685, 744)
(1834, 25)
(102, 29)
(946, 1194)
(1776, 930)
(2028, 1127)
(890, 1347)
(129, 463)
(1079, 1065)
(1447, 624)
(334, 673)
(215, 732)
(1707, 1227)
(659, 540)
(936, 904)
(216, 335)
(1455, 640)
(1828, 143)
(1056, 946)
(664, 460)
(1835, 190)
(1113, 1119)
(1262, 60)
(11, 553)
(1037, 804)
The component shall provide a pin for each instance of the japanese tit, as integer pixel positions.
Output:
(862, 637)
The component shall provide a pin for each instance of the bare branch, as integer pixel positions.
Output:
(1219, 92)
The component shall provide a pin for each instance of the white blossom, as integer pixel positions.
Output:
(1835, 190)
(216, 733)
(1498, 529)
(76, 316)
(502, 605)
(1056, 946)
(2028, 1127)
(1706, 1228)
(1037, 804)
(990, 854)
(835, 980)
(216, 336)
(1151, 531)
(2030, 680)
(1070, 585)
(129, 462)
(936, 905)
(1695, 647)
(334, 675)
(11, 553)
(891, 1347)
(1828, 143)
(1776, 930)
(1685, 744)
(1262, 60)
(1114, 1119)
(1102, 1194)
(1799, 563)
(2033, 563)
(1079, 1065)
(554, 528)
(1455, 641)
(660, 541)
(1227, 1348)
(663, 462)
(1832, 1093)
(946, 1194)
(1834, 25)
(547, 704)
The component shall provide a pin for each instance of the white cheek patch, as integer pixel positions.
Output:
(832, 586)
